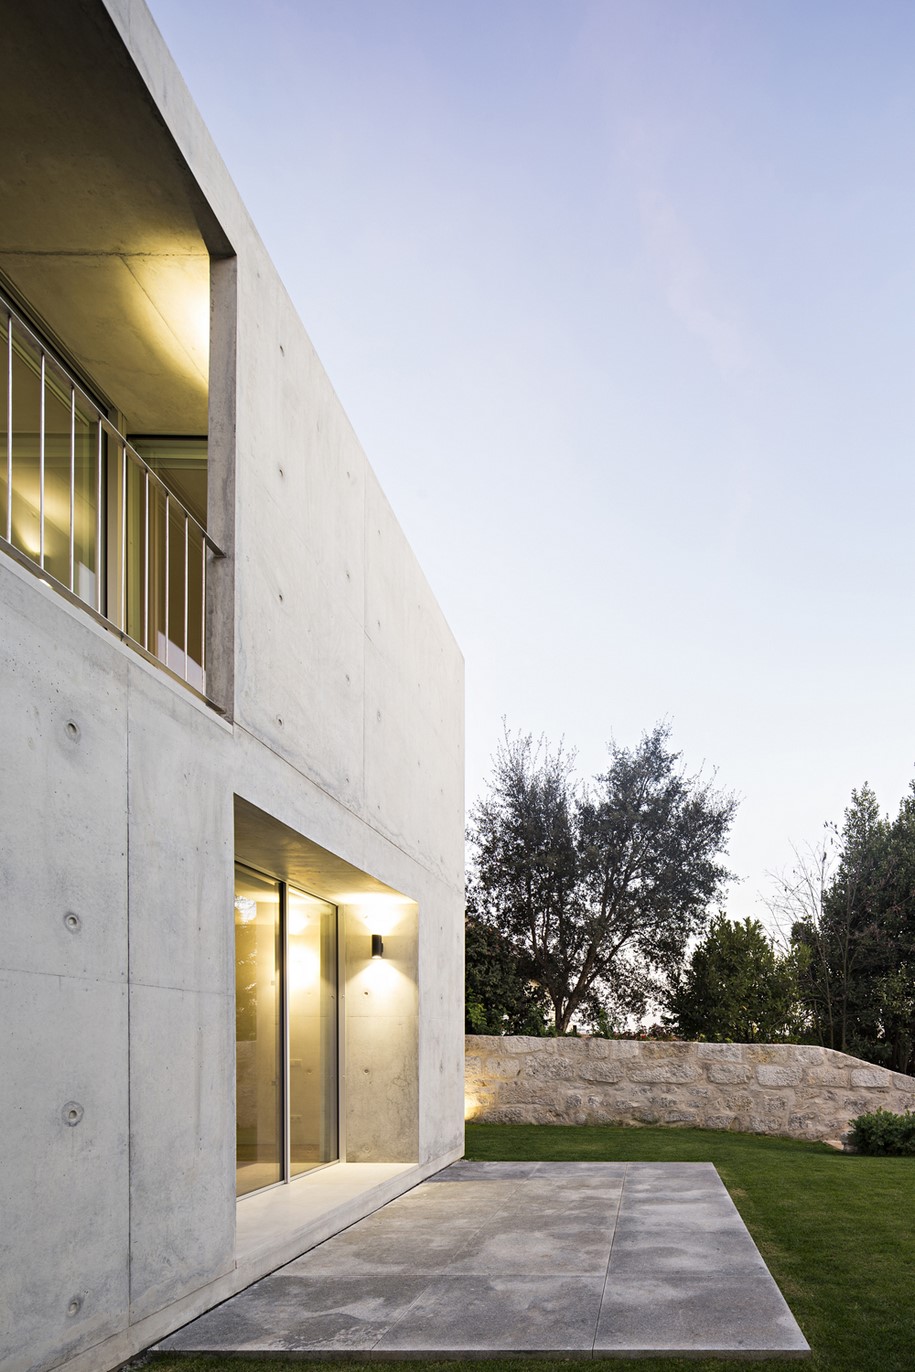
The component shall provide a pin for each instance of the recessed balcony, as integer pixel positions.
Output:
(113, 268)
(92, 515)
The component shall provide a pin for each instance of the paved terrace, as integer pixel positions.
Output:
(487, 1258)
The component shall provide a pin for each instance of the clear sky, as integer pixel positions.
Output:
(619, 296)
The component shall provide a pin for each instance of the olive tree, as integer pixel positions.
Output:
(600, 886)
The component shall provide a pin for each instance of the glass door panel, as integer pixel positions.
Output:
(259, 1033)
(311, 977)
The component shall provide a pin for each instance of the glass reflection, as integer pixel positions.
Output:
(258, 1033)
(278, 1139)
(311, 980)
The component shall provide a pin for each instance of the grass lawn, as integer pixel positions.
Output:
(837, 1231)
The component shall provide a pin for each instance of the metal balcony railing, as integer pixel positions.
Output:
(79, 504)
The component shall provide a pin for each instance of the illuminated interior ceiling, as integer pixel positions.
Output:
(103, 230)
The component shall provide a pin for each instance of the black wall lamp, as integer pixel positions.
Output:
(377, 946)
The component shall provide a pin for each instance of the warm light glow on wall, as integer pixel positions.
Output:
(297, 920)
(471, 1107)
(380, 913)
(302, 968)
(388, 988)
(199, 324)
(173, 309)
(27, 536)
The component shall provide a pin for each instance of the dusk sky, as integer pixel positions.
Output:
(619, 296)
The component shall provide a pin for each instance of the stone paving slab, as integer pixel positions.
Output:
(683, 1313)
(565, 1259)
(484, 1315)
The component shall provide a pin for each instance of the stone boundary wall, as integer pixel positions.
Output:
(795, 1090)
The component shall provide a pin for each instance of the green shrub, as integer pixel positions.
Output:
(884, 1133)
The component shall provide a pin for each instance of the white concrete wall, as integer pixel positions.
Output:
(343, 693)
(382, 1029)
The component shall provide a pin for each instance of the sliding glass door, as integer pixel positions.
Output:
(286, 1031)
(311, 977)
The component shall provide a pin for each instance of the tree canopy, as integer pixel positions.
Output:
(500, 995)
(738, 988)
(851, 906)
(598, 888)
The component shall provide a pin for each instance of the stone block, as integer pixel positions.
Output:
(739, 1104)
(825, 1101)
(826, 1076)
(550, 1067)
(609, 1072)
(518, 1043)
(624, 1048)
(778, 1076)
(729, 1052)
(806, 1124)
(779, 1054)
(574, 1049)
(521, 1114)
(763, 1124)
(599, 1048)
(810, 1054)
(727, 1073)
(505, 1068)
(627, 1105)
(719, 1121)
(870, 1078)
(857, 1105)
(660, 1051)
(672, 1073)
(518, 1092)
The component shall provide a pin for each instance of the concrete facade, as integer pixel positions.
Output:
(329, 740)
(795, 1090)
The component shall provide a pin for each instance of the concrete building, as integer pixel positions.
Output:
(231, 734)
